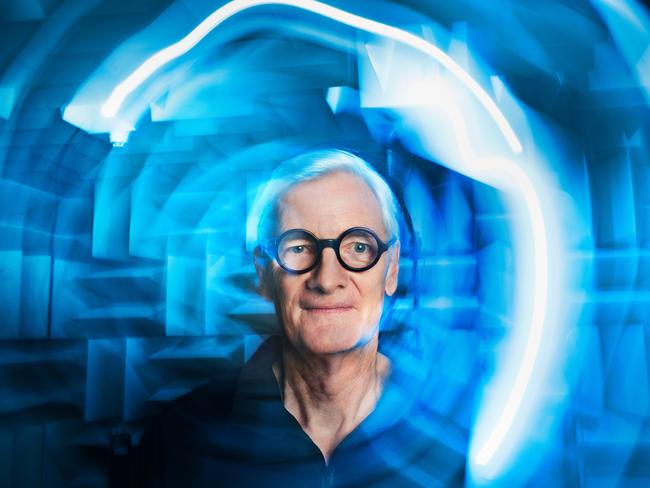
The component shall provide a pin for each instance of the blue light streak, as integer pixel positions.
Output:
(112, 105)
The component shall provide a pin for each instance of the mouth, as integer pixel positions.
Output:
(328, 310)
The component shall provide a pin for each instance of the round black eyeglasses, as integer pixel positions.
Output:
(299, 251)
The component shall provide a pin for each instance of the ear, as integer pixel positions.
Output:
(393, 269)
(262, 268)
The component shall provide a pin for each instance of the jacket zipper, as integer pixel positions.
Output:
(328, 476)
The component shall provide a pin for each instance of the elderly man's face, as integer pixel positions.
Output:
(330, 309)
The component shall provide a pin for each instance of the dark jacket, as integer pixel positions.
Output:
(236, 432)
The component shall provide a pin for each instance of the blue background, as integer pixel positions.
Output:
(126, 271)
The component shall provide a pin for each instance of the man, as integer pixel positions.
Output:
(320, 405)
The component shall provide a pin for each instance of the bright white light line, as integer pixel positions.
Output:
(537, 314)
(173, 51)
(519, 184)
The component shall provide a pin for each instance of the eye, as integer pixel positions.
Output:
(296, 249)
(360, 247)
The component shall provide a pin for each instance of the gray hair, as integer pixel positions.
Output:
(310, 166)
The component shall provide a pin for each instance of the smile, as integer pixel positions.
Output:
(328, 310)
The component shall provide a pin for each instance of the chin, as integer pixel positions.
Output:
(334, 340)
(326, 347)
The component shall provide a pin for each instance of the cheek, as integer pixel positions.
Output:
(376, 307)
(372, 295)
(287, 297)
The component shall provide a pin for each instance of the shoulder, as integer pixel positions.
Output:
(185, 424)
(211, 400)
(193, 436)
(207, 406)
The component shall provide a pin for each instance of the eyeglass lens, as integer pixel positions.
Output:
(299, 250)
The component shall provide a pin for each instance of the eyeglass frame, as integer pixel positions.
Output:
(272, 249)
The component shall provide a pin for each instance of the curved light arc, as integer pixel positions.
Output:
(179, 48)
(513, 180)
(537, 317)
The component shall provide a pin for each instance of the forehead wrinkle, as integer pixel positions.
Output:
(331, 204)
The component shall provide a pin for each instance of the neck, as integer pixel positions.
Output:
(329, 395)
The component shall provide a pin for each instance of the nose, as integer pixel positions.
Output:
(328, 275)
